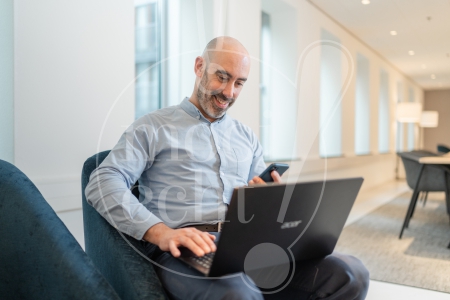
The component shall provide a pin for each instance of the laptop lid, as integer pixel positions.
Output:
(303, 220)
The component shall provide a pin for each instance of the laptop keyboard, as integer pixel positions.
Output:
(205, 260)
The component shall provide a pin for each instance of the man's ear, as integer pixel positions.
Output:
(199, 67)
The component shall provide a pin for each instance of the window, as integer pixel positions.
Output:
(330, 143)
(383, 113)
(400, 138)
(362, 106)
(265, 73)
(168, 37)
(411, 126)
(147, 57)
(278, 94)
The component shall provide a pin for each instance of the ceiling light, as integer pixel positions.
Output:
(410, 52)
(433, 76)
(365, 2)
(424, 66)
(393, 32)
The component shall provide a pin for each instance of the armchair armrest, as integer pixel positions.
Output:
(118, 256)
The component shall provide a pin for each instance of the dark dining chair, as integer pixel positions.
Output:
(443, 148)
(424, 178)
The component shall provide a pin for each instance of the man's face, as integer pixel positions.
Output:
(221, 83)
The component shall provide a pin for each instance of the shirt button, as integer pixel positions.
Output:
(222, 173)
(198, 117)
(218, 147)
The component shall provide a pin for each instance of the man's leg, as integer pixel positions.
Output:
(183, 282)
(337, 276)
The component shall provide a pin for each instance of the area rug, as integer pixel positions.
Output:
(420, 259)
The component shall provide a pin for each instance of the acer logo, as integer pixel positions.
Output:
(292, 224)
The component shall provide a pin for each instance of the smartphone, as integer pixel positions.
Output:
(280, 168)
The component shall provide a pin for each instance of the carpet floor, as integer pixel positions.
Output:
(420, 259)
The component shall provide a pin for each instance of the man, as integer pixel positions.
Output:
(188, 158)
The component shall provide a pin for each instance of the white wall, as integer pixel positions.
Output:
(7, 80)
(281, 87)
(244, 24)
(74, 77)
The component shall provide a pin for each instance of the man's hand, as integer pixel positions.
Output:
(169, 239)
(257, 180)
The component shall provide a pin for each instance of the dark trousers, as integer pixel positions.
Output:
(336, 276)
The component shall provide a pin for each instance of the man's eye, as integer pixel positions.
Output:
(223, 78)
(240, 83)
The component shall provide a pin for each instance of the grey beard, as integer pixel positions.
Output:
(208, 109)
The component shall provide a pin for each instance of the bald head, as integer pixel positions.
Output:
(224, 45)
(221, 73)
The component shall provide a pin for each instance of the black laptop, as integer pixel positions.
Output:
(303, 219)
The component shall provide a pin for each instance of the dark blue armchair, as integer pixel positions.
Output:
(39, 257)
(131, 275)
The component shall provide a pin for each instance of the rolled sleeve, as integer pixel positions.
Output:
(108, 190)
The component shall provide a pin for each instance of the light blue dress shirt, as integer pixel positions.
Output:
(187, 169)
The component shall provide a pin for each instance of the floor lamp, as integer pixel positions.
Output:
(407, 112)
(428, 119)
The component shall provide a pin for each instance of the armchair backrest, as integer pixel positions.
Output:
(432, 179)
(443, 148)
(39, 257)
(116, 254)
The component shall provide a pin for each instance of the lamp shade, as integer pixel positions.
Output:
(429, 119)
(409, 112)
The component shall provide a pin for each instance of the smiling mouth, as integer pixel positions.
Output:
(221, 103)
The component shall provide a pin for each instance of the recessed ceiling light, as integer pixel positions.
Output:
(410, 52)
(393, 32)
(424, 66)
(365, 2)
(433, 76)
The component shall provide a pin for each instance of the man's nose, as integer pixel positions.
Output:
(229, 90)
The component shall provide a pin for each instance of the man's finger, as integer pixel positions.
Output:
(207, 238)
(258, 180)
(201, 242)
(276, 176)
(174, 249)
(191, 245)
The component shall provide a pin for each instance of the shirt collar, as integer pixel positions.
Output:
(193, 111)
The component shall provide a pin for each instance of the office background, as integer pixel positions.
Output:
(71, 82)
